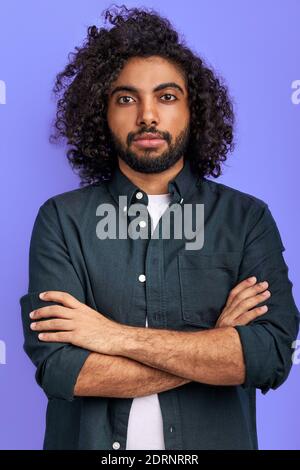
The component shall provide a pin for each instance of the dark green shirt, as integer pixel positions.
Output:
(184, 290)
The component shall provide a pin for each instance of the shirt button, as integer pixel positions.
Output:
(125, 208)
(142, 278)
(142, 223)
(116, 445)
(171, 428)
(139, 195)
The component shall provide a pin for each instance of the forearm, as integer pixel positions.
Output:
(212, 356)
(103, 375)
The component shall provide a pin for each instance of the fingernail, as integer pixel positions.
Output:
(32, 314)
(42, 295)
(252, 279)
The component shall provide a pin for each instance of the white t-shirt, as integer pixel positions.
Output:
(145, 425)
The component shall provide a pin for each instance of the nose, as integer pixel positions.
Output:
(147, 114)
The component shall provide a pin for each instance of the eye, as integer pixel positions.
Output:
(126, 97)
(120, 97)
(169, 94)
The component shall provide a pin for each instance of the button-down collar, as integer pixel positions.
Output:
(180, 187)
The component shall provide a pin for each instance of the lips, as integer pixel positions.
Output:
(148, 140)
(149, 136)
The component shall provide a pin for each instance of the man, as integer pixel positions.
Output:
(139, 342)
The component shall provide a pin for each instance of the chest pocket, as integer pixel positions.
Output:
(205, 283)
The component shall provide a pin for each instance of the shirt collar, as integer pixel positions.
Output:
(180, 187)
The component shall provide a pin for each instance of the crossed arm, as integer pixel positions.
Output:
(121, 377)
(115, 376)
(130, 361)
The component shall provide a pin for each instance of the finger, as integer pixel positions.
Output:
(248, 304)
(249, 292)
(51, 311)
(60, 337)
(238, 288)
(62, 297)
(245, 318)
(49, 325)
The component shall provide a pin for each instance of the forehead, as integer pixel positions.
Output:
(146, 72)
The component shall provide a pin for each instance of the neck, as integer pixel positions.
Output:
(151, 183)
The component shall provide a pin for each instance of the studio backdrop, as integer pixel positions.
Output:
(254, 46)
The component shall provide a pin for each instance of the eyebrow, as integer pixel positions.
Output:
(162, 86)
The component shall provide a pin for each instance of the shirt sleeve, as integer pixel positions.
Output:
(267, 340)
(50, 268)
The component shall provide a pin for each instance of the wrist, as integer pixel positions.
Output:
(119, 339)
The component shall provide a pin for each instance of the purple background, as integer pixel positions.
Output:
(254, 45)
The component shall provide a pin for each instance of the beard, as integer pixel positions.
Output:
(146, 163)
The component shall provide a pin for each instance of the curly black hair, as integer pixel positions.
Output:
(82, 89)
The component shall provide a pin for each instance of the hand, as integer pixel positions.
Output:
(245, 295)
(75, 323)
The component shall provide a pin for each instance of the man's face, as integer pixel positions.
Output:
(136, 106)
